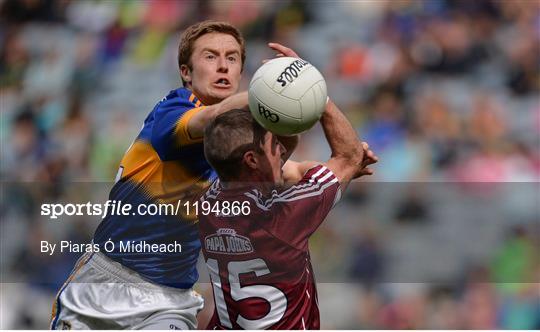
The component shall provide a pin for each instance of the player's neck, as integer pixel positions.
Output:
(248, 182)
(236, 185)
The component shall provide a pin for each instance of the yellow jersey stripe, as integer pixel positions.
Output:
(181, 129)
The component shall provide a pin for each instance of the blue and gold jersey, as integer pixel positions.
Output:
(164, 165)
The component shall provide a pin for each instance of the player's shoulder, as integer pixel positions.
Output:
(318, 173)
(212, 192)
(216, 191)
(178, 100)
(313, 183)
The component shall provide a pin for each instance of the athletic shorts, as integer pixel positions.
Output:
(102, 294)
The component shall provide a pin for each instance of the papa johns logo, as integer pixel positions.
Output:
(227, 241)
(268, 115)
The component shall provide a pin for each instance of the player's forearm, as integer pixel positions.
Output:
(340, 134)
(200, 120)
(239, 100)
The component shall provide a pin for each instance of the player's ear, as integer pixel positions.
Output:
(250, 160)
(185, 72)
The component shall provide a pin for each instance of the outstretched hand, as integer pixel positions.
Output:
(368, 159)
(281, 51)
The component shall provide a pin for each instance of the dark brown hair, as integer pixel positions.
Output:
(228, 138)
(195, 31)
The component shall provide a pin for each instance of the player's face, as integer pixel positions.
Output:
(216, 66)
(274, 152)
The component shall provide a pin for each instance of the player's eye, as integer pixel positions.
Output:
(210, 56)
(232, 59)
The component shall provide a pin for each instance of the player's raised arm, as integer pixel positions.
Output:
(350, 157)
(199, 121)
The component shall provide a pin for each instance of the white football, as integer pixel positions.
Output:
(287, 95)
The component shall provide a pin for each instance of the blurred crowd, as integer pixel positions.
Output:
(445, 235)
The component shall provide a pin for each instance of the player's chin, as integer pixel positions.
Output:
(214, 97)
(223, 92)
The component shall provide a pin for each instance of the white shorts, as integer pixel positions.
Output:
(102, 294)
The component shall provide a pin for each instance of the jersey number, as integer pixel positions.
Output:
(274, 297)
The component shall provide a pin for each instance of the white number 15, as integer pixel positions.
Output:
(275, 297)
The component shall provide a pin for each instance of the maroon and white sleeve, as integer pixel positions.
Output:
(299, 210)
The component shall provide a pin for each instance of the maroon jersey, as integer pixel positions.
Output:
(259, 261)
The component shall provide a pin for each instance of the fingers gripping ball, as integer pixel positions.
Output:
(287, 95)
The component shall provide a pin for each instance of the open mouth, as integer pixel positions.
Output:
(222, 83)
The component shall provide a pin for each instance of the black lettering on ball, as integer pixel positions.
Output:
(269, 115)
(291, 72)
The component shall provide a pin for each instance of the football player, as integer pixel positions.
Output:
(258, 258)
